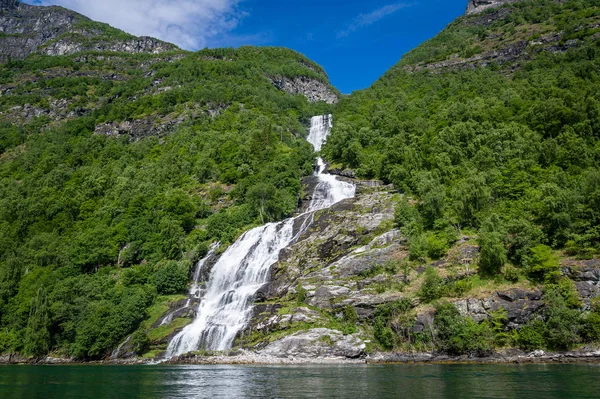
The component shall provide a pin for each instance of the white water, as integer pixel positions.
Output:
(195, 291)
(244, 267)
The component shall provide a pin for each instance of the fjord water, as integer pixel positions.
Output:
(357, 381)
(243, 268)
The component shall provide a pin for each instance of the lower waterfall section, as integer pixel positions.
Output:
(227, 303)
(235, 279)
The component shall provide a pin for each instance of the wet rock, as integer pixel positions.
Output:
(317, 342)
(344, 173)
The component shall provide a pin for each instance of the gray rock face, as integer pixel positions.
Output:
(312, 89)
(520, 306)
(477, 6)
(8, 4)
(138, 129)
(133, 46)
(54, 30)
(317, 342)
(334, 234)
(586, 275)
(273, 321)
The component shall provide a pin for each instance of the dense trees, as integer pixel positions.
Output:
(510, 151)
(93, 228)
(507, 154)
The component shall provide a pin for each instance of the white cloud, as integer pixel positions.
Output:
(364, 20)
(191, 24)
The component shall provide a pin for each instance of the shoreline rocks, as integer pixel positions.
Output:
(508, 356)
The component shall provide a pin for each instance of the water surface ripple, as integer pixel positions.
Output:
(368, 381)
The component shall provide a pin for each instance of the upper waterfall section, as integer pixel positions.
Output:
(320, 127)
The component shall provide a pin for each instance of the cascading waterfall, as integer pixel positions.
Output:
(243, 269)
(195, 291)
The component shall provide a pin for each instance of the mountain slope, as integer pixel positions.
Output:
(491, 129)
(120, 162)
(26, 29)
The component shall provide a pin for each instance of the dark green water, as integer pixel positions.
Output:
(393, 381)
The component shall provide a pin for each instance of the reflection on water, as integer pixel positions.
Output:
(389, 381)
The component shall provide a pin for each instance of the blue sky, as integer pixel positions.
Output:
(356, 41)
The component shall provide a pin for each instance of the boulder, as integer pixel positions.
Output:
(317, 343)
(520, 306)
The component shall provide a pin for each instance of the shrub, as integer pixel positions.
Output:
(542, 264)
(140, 342)
(591, 327)
(563, 325)
(408, 219)
(432, 287)
(171, 277)
(437, 246)
(417, 249)
(511, 274)
(383, 317)
(531, 336)
(493, 253)
(460, 335)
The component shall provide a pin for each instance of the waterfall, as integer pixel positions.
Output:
(195, 291)
(243, 269)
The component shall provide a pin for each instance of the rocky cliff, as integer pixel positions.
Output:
(329, 288)
(8, 4)
(486, 39)
(478, 6)
(312, 89)
(26, 29)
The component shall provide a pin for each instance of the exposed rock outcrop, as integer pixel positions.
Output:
(477, 6)
(317, 342)
(146, 127)
(511, 53)
(312, 89)
(586, 276)
(520, 306)
(26, 29)
(8, 4)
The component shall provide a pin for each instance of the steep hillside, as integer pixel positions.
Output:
(26, 29)
(122, 159)
(490, 130)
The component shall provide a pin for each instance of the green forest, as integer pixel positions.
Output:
(509, 153)
(97, 230)
(94, 229)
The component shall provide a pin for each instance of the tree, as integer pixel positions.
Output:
(37, 336)
(171, 277)
(543, 265)
(492, 251)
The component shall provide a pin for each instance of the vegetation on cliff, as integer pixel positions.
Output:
(504, 147)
